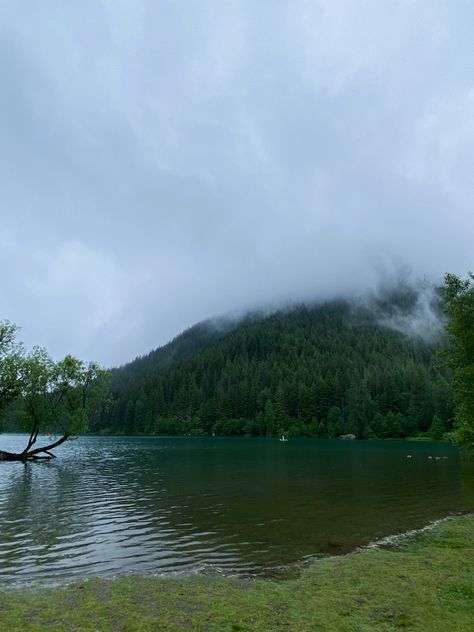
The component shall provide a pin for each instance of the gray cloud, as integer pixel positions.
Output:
(163, 162)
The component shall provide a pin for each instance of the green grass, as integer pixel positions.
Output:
(425, 583)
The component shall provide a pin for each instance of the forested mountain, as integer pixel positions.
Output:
(316, 370)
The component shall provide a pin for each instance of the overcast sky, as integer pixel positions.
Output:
(166, 161)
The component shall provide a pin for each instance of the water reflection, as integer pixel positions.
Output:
(113, 505)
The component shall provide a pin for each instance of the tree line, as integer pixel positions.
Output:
(313, 370)
(321, 370)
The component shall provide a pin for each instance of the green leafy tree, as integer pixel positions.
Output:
(437, 428)
(335, 422)
(459, 299)
(57, 398)
(269, 418)
(12, 365)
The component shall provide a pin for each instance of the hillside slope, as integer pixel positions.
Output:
(318, 370)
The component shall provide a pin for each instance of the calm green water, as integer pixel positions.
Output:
(111, 506)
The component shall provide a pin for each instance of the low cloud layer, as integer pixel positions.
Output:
(167, 161)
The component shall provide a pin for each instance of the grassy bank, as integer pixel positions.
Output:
(425, 583)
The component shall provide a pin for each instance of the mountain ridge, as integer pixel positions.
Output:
(319, 369)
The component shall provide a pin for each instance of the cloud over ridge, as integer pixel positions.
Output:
(164, 162)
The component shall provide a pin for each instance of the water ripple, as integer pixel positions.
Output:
(113, 506)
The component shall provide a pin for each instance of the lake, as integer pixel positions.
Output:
(113, 505)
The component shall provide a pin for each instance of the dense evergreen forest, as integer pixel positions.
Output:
(312, 370)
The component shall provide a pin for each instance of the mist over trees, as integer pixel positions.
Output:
(320, 370)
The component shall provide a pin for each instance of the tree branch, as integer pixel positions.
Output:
(48, 447)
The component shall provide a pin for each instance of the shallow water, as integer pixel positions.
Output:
(110, 506)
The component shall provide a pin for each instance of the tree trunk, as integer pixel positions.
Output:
(36, 454)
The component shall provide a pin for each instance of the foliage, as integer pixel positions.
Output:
(46, 396)
(319, 370)
(12, 365)
(459, 299)
(59, 397)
